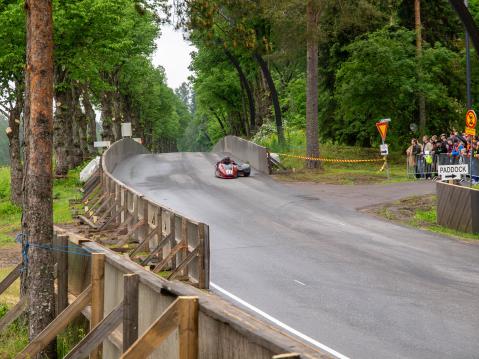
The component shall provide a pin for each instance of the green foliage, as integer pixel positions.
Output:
(10, 215)
(382, 78)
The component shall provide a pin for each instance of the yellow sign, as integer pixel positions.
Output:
(383, 129)
(471, 119)
(470, 131)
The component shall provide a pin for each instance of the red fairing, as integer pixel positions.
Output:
(226, 171)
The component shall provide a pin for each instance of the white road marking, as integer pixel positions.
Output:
(297, 281)
(279, 323)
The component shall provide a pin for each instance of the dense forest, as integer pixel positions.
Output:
(278, 72)
(398, 59)
(102, 62)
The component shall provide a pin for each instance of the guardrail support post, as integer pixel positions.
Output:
(62, 273)
(97, 295)
(130, 310)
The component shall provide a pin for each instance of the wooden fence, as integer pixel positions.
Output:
(135, 313)
(458, 207)
(152, 234)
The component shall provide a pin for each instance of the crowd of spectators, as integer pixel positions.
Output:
(456, 148)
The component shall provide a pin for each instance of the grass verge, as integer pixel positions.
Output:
(10, 215)
(419, 212)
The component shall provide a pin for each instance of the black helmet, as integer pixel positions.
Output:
(227, 160)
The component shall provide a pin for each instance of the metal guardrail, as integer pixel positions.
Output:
(425, 166)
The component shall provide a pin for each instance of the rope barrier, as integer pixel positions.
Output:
(330, 159)
(71, 248)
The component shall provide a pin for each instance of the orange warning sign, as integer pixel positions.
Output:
(471, 119)
(383, 129)
(470, 131)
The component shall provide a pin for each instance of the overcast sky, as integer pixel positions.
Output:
(173, 53)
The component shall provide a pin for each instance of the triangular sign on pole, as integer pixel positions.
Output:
(383, 129)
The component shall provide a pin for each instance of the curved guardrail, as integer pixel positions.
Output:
(173, 242)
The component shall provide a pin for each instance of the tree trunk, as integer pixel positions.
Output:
(60, 125)
(274, 97)
(82, 128)
(106, 117)
(247, 88)
(76, 117)
(26, 156)
(38, 213)
(13, 134)
(421, 98)
(91, 122)
(312, 125)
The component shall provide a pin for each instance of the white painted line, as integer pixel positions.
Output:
(279, 323)
(297, 281)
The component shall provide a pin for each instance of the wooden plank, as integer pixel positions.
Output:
(97, 335)
(184, 252)
(62, 273)
(56, 326)
(106, 202)
(14, 313)
(158, 248)
(287, 356)
(188, 328)
(87, 221)
(184, 263)
(115, 337)
(123, 239)
(156, 333)
(204, 256)
(116, 214)
(169, 257)
(142, 243)
(106, 213)
(10, 278)
(130, 309)
(97, 294)
(124, 224)
(173, 238)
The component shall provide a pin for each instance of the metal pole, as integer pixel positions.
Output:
(468, 67)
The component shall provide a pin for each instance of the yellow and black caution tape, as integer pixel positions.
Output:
(330, 159)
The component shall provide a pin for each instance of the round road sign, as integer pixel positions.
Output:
(471, 119)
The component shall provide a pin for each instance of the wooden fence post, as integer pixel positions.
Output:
(184, 252)
(97, 295)
(188, 329)
(62, 273)
(130, 310)
(173, 238)
(204, 256)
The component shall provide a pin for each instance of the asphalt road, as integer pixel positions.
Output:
(364, 287)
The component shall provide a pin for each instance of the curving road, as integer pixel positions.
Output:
(361, 286)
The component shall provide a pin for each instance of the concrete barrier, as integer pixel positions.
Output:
(119, 151)
(458, 207)
(255, 155)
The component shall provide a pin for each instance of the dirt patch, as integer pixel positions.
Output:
(403, 210)
(10, 255)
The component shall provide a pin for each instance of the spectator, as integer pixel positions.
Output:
(475, 161)
(428, 153)
(441, 149)
(414, 156)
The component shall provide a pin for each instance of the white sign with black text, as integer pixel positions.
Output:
(101, 144)
(384, 149)
(452, 172)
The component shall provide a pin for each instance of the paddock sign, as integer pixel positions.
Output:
(452, 172)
